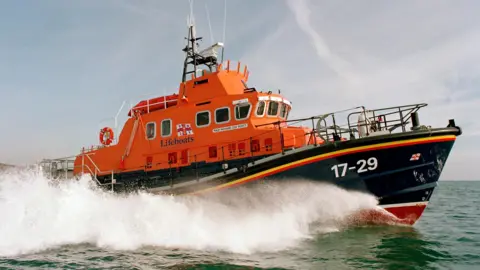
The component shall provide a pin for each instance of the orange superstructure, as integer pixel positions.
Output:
(213, 118)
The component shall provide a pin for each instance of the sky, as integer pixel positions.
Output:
(67, 66)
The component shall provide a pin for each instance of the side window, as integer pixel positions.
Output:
(242, 111)
(272, 108)
(150, 130)
(283, 110)
(222, 115)
(203, 119)
(166, 128)
(260, 108)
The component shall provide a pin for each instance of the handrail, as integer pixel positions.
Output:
(97, 171)
(93, 163)
(226, 67)
(151, 104)
(380, 115)
(57, 166)
(404, 112)
(312, 117)
(90, 170)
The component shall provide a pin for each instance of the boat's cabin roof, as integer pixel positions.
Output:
(216, 85)
(222, 87)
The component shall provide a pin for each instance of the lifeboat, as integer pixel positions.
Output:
(217, 133)
(154, 104)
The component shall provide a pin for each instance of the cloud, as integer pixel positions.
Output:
(72, 76)
(419, 71)
(301, 12)
(341, 56)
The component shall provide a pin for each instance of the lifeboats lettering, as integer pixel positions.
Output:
(175, 141)
(229, 128)
(362, 164)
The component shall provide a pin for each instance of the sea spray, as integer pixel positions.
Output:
(38, 213)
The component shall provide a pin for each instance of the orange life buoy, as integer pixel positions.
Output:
(106, 136)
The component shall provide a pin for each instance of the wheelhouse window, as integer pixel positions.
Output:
(222, 115)
(272, 108)
(166, 128)
(203, 119)
(242, 111)
(150, 131)
(260, 108)
(283, 111)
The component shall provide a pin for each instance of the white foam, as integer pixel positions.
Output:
(37, 214)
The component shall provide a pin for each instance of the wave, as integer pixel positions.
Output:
(39, 213)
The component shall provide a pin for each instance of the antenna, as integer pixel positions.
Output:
(191, 19)
(209, 23)
(193, 58)
(191, 24)
(224, 19)
(224, 25)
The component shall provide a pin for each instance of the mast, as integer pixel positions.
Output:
(193, 59)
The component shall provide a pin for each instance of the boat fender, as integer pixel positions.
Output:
(106, 136)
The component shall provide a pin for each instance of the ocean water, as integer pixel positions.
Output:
(71, 225)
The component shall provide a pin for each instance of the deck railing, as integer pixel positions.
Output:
(388, 119)
(329, 126)
(62, 168)
(58, 168)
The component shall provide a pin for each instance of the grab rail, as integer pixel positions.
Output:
(97, 170)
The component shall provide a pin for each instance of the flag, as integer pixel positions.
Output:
(180, 130)
(188, 129)
(184, 130)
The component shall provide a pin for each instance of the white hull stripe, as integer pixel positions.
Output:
(403, 204)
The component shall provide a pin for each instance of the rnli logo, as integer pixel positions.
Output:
(184, 130)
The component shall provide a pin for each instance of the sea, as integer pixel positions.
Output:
(70, 224)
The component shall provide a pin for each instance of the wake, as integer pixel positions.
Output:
(38, 213)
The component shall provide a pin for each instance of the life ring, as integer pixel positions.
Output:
(106, 136)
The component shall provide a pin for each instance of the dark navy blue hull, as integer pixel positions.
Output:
(398, 174)
(400, 170)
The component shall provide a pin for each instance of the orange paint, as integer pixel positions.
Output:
(210, 92)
